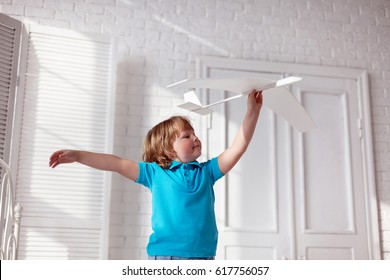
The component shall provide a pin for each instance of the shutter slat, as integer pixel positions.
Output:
(10, 31)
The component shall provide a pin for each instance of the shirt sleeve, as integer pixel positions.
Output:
(146, 174)
(214, 169)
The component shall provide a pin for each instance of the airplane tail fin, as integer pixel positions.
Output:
(192, 103)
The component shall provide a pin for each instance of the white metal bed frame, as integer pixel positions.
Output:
(10, 215)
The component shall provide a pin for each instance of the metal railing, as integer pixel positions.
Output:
(10, 215)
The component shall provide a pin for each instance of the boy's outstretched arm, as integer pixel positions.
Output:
(126, 168)
(228, 159)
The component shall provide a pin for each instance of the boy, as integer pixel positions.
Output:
(183, 219)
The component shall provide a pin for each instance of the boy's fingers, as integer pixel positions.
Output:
(55, 158)
(259, 96)
(53, 162)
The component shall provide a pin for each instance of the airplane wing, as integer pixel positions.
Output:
(284, 104)
(239, 85)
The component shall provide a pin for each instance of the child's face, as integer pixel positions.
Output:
(187, 146)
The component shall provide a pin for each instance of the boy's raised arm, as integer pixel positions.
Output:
(126, 168)
(228, 159)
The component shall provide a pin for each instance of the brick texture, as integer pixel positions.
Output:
(158, 41)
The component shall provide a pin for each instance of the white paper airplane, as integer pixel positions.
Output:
(275, 96)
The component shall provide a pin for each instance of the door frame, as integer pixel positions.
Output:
(205, 63)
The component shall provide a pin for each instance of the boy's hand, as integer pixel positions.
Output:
(62, 156)
(255, 100)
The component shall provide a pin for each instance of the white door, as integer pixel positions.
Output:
(328, 173)
(293, 195)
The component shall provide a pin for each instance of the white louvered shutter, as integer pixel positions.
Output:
(10, 30)
(68, 103)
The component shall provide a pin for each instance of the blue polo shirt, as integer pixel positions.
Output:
(183, 219)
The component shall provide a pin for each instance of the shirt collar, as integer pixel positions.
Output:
(177, 164)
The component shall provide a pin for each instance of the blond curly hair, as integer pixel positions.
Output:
(158, 144)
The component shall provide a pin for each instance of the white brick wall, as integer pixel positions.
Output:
(159, 39)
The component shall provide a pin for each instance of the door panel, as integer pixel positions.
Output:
(255, 209)
(329, 185)
(324, 253)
